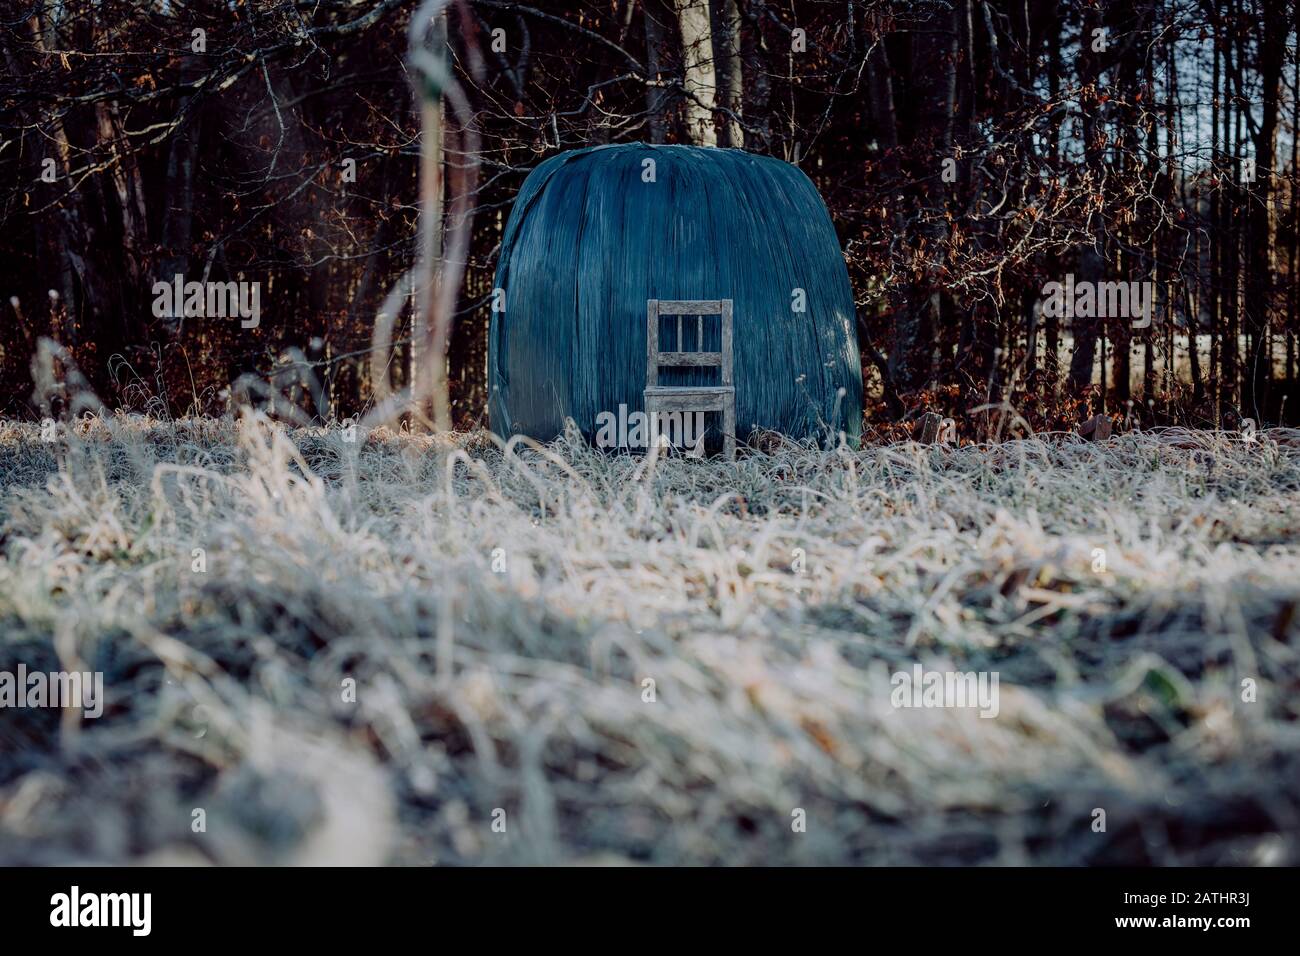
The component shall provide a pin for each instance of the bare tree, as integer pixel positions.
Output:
(700, 83)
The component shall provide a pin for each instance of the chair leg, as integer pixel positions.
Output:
(652, 419)
(729, 430)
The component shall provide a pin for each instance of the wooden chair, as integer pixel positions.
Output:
(691, 398)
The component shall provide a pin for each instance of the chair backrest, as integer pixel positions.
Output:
(681, 308)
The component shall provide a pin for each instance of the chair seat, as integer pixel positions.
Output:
(689, 398)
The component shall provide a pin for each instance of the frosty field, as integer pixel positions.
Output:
(413, 650)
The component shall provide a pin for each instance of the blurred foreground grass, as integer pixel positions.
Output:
(501, 613)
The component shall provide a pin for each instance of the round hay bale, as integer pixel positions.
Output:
(595, 233)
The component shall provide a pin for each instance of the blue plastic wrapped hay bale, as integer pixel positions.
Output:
(595, 233)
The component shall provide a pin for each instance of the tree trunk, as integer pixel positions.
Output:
(657, 37)
(757, 94)
(731, 81)
(427, 372)
(934, 82)
(178, 217)
(699, 80)
(1272, 52)
(1092, 259)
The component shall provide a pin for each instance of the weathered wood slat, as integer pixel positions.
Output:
(656, 390)
(690, 400)
(699, 359)
(690, 307)
(726, 342)
(652, 342)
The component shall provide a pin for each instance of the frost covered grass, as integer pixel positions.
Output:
(647, 660)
